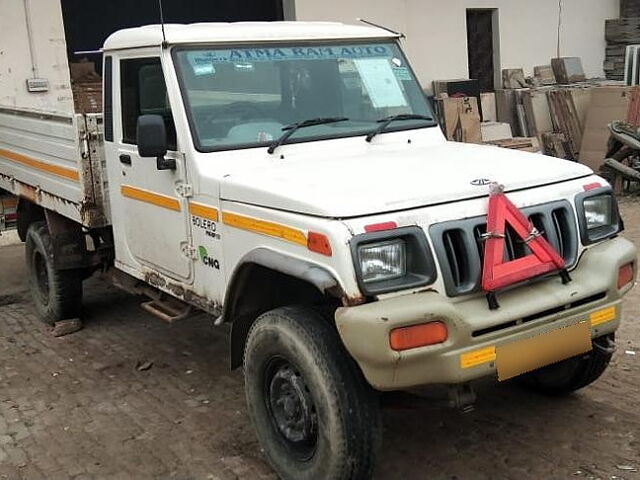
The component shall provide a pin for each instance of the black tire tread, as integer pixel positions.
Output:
(363, 418)
(65, 285)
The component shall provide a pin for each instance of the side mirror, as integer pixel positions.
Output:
(152, 140)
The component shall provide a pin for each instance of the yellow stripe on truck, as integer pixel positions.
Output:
(602, 316)
(68, 173)
(263, 227)
(157, 199)
(478, 357)
(204, 211)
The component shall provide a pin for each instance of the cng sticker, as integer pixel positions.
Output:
(206, 259)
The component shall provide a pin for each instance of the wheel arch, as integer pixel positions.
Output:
(265, 279)
(28, 213)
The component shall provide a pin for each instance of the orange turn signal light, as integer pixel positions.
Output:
(405, 338)
(625, 275)
(319, 243)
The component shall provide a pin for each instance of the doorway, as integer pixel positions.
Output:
(483, 47)
(92, 25)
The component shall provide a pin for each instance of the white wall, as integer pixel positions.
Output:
(50, 56)
(437, 38)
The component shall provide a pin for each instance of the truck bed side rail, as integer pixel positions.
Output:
(45, 158)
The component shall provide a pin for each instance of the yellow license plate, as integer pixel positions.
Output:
(526, 355)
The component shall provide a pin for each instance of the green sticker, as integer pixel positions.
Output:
(402, 73)
(206, 259)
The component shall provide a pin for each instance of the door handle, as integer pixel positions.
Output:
(125, 159)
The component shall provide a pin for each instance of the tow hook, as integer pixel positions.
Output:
(462, 397)
(605, 344)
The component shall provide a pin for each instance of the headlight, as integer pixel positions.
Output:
(598, 215)
(598, 211)
(392, 260)
(383, 261)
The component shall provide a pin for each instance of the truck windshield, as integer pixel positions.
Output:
(243, 97)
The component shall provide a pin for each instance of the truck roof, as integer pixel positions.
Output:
(151, 35)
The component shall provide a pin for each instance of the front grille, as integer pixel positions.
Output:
(460, 249)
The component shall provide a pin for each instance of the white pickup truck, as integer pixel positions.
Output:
(290, 180)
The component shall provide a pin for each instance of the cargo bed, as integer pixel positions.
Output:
(55, 161)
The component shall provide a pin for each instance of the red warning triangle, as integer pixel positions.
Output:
(496, 273)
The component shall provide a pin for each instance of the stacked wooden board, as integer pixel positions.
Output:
(555, 115)
(630, 8)
(619, 33)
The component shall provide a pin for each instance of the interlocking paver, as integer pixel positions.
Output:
(77, 408)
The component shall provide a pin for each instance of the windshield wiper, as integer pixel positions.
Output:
(385, 122)
(294, 127)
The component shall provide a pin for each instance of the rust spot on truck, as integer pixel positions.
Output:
(92, 215)
(352, 301)
(203, 303)
(27, 191)
(155, 280)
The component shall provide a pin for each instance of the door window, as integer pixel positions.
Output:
(144, 92)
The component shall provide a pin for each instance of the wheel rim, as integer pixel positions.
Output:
(291, 407)
(41, 277)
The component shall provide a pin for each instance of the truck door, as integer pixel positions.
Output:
(149, 215)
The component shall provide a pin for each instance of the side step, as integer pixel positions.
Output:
(168, 309)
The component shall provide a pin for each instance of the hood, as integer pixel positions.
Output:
(383, 178)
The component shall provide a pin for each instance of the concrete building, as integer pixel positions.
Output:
(445, 37)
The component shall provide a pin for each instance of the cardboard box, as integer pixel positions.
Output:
(607, 104)
(582, 101)
(460, 119)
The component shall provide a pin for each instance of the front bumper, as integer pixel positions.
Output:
(526, 311)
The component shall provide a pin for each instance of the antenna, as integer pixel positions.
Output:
(399, 34)
(164, 36)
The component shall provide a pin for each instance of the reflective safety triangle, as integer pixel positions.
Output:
(496, 273)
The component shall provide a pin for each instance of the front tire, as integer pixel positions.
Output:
(569, 375)
(314, 414)
(57, 294)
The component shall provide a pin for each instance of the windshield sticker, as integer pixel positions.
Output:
(264, 136)
(239, 55)
(243, 67)
(381, 83)
(352, 82)
(402, 73)
(201, 64)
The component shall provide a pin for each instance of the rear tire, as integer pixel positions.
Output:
(569, 375)
(314, 414)
(57, 294)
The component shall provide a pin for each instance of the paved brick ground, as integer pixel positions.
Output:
(78, 408)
